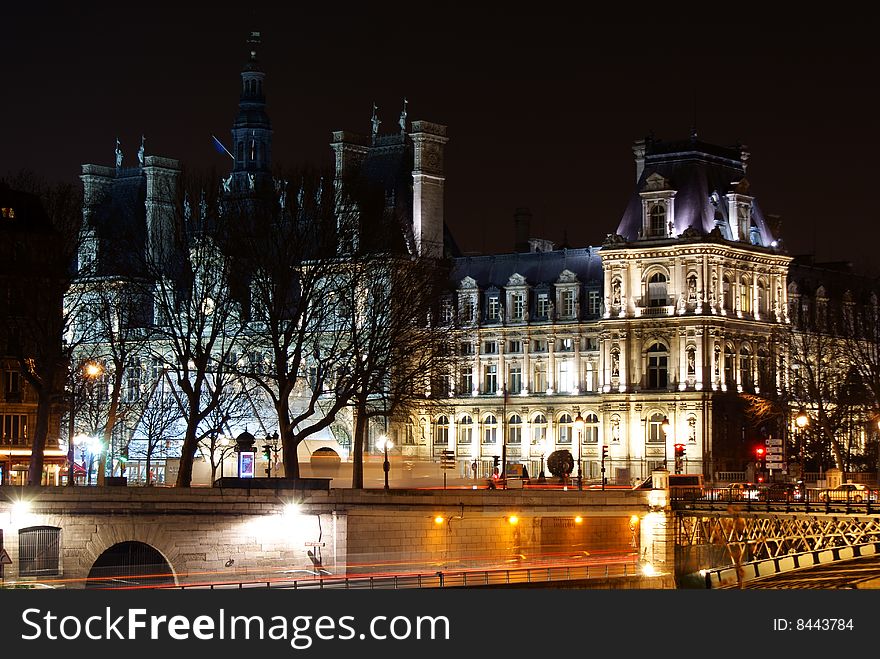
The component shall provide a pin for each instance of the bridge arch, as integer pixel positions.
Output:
(130, 563)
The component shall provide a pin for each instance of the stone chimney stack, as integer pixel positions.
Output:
(428, 140)
(522, 223)
(639, 147)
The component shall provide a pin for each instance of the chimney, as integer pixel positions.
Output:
(639, 147)
(522, 223)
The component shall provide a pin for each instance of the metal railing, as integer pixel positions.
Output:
(439, 579)
(769, 498)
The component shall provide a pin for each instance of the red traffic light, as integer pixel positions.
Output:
(759, 452)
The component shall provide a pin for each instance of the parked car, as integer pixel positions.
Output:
(854, 492)
(741, 491)
(781, 492)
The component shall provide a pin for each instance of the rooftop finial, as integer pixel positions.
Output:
(403, 117)
(141, 151)
(253, 42)
(118, 154)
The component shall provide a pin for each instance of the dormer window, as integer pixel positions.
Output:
(658, 220)
(493, 308)
(543, 305)
(568, 306)
(517, 306)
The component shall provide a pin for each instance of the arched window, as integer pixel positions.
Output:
(465, 429)
(514, 430)
(764, 380)
(763, 298)
(657, 290)
(591, 429)
(539, 430)
(729, 357)
(490, 429)
(727, 294)
(565, 428)
(657, 366)
(658, 220)
(655, 428)
(745, 295)
(441, 431)
(241, 150)
(745, 367)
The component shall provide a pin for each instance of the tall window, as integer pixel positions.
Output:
(543, 305)
(467, 310)
(515, 380)
(657, 366)
(490, 385)
(490, 430)
(466, 429)
(591, 429)
(493, 309)
(565, 426)
(517, 306)
(763, 298)
(727, 294)
(764, 376)
(745, 295)
(467, 381)
(745, 367)
(657, 290)
(14, 428)
(593, 303)
(655, 429)
(729, 358)
(490, 347)
(514, 430)
(515, 346)
(441, 431)
(566, 382)
(658, 220)
(13, 383)
(568, 300)
(539, 431)
(539, 382)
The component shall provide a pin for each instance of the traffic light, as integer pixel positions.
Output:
(760, 452)
(267, 451)
(679, 450)
(604, 452)
(496, 460)
(679, 458)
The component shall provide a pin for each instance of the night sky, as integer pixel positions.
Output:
(542, 109)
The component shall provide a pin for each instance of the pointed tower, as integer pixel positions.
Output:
(252, 130)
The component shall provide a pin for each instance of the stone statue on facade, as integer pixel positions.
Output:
(227, 183)
(187, 207)
(615, 293)
(615, 364)
(375, 121)
(118, 154)
(252, 181)
(403, 117)
(141, 152)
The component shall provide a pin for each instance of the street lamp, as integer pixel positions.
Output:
(579, 424)
(270, 450)
(801, 421)
(92, 371)
(384, 443)
(666, 427)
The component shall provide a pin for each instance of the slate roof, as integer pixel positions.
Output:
(695, 170)
(537, 267)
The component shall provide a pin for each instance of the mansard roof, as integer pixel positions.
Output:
(695, 170)
(537, 267)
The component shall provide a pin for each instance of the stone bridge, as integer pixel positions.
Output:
(74, 537)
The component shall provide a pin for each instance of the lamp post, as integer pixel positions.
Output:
(384, 443)
(579, 424)
(270, 450)
(90, 371)
(666, 427)
(801, 421)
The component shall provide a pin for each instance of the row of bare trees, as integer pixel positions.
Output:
(828, 363)
(251, 309)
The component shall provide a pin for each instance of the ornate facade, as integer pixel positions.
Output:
(681, 304)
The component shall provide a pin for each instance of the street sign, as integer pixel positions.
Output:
(4, 557)
(775, 465)
(776, 450)
(447, 460)
(310, 543)
(772, 442)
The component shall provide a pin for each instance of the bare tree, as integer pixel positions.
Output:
(38, 332)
